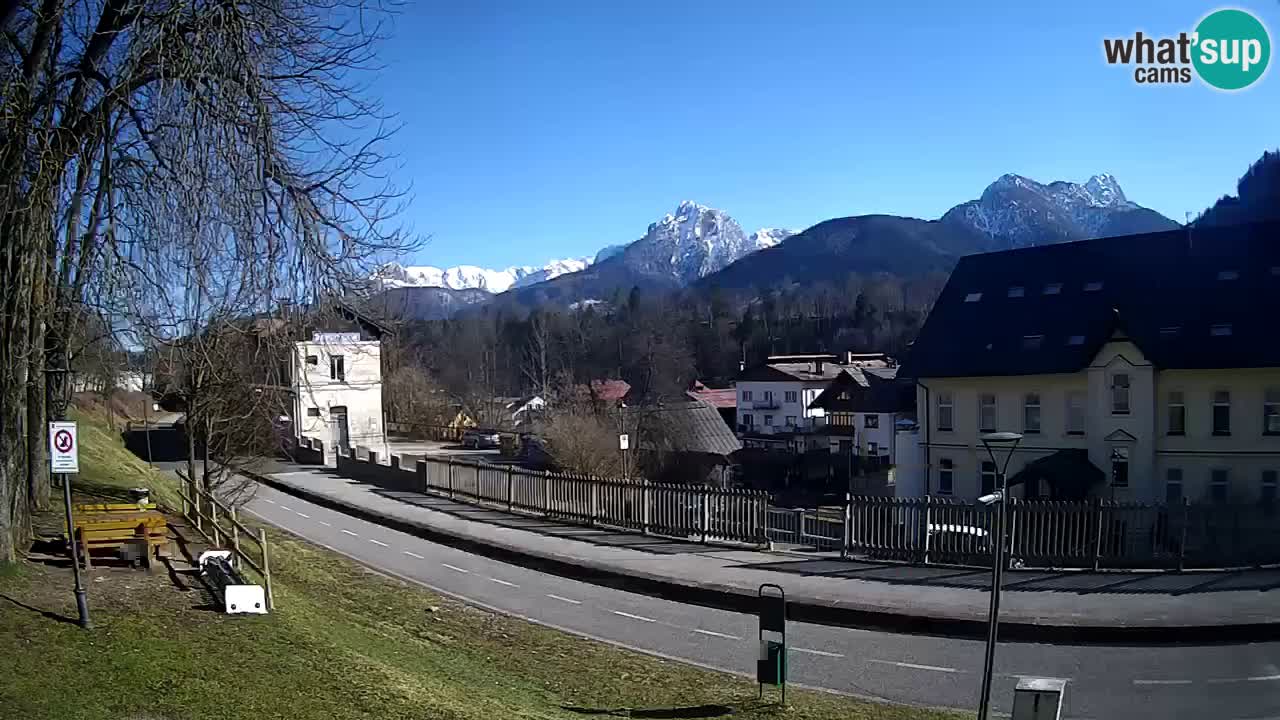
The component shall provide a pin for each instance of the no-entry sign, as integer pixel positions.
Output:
(64, 448)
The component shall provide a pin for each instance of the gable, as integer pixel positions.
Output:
(1120, 436)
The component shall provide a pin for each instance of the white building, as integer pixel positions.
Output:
(1142, 368)
(775, 398)
(337, 391)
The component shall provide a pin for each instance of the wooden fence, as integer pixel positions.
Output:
(220, 525)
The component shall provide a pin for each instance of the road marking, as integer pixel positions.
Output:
(633, 617)
(273, 502)
(914, 666)
(286, 507)
(455, 568)
(303, 515)
(349, 532)
(503, 582)
(324, 523)
(713, 633)
(564, 599)
(378, 542)
(1255, 678)
(1161, 682)
(818, 652)
(413, 554)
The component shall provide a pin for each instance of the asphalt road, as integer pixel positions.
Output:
(1224, 682)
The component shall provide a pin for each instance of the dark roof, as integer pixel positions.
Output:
(869, 390)
(1165, 291)
(1068, 472)
(688, 426)
(792, 371)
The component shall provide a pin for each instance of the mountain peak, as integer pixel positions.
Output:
(472, 277)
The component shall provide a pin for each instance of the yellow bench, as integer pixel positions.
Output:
(119, 526)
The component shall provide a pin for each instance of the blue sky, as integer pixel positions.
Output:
(539, 130)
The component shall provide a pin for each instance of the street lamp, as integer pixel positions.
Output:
(1010, 440)
(61, 383)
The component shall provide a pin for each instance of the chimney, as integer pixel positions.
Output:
(817, 367)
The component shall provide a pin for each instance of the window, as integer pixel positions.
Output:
(1031, 413)
(1120, 394)
(987, 412)
(1094, 286)
(1075, 412)
(1173, 486)
(313, 412)
(871, 420)
(746, 396)
(1220, 330)
(1267, 496)
(1017, 291)
(768, 398)
(1219, 485)
(1271, 412)
(748, 419)
(844, 394)
(1170, 332)
(973, 297)
(789, 396)
(873, 449)
(1032, 342)
(337, 368)
(987, 478)
(946, 476)
(1228, 275)
(1222, 412)
(1120, 467)
(768, 421)
(946, 411)
(1177, 413)
(791, 421)
(313, 359)
(1053, 289)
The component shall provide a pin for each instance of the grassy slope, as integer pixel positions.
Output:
(344, 642)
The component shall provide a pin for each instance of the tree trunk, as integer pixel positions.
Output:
(37, 387)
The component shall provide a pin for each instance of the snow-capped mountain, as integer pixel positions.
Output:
(1016, 211)
(768, 237)
(691, 243)
(471, 277)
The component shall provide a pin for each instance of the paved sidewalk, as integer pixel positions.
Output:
(1036, 606)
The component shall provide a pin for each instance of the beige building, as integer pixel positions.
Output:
(337, 390)
(1141, 368)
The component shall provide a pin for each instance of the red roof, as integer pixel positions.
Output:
(718, 399)
(610, 390)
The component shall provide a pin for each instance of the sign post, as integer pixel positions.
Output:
(771, 666)
(64, 458)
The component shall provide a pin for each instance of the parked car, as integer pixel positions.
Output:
(480, 438)
(964, 539)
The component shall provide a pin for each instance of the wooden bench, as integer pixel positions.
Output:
(121, 526)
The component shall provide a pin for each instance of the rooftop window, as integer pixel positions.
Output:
(1093, 286)
(1017, 291)
(1032, 342)
(1053, 289)
(1075, 340)
(1228, 275)
(1220, 330)
(973, 297)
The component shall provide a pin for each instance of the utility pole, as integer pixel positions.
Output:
(61, 382)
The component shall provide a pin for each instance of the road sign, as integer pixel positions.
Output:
(64, 448)
(624, 442)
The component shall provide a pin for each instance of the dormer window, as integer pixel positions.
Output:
(1093, 286)
(1228, 275)
(973, 297)
(1017, 291)
(1053, 289)
(1220, 330)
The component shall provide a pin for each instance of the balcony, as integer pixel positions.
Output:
(765, 404)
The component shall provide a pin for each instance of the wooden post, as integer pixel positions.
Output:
(266, 568)
(1097, 535)
(235, 540)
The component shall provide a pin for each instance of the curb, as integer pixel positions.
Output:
(801, 609)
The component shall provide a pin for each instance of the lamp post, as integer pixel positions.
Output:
(61, 384)
(1010, 440)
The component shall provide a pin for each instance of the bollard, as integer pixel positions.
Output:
(1038, 699)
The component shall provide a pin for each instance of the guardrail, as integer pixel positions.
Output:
(1041, 534)
(208, 515)
(692, 512)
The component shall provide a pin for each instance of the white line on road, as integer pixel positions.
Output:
(503, 582)
(914, 666)
(633, 617)
(713, 633)
(303, 515)
(413, 554)
(818, 652)
(564, 599)
(286, 507)
(273, 502)
(378, 542)
(349, 533)
(324, 523)
(1255, 678)
(455, 568)
(1161, 682)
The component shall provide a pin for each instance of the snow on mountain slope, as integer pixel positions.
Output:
(471, 277)
(768, 237)
(693, 242)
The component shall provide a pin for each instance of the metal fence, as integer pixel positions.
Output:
(1041, 534)
(693, 512)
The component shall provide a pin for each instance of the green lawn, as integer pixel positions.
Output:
(343, 643)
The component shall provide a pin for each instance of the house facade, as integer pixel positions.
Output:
(337, 392)
(775, 398)
(1142, 368)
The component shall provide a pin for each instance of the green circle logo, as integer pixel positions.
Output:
(1232, 49)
